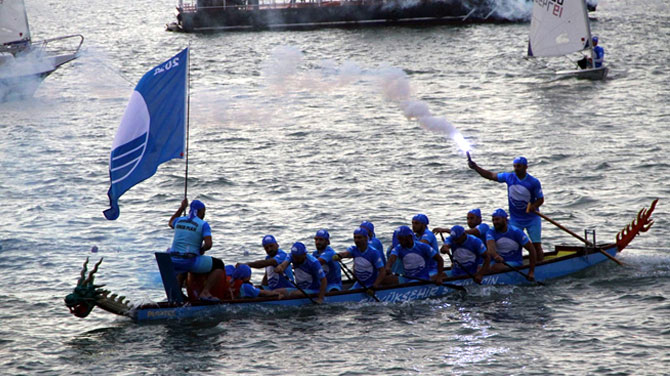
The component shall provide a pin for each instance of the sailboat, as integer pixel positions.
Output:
(561, 29)
(24, 63)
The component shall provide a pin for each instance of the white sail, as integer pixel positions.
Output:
(13, 22)
(558, 27)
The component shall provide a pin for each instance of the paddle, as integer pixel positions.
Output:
(369, 291)
(457, 262)
(298, 287)
(588, 243)
(445, 284)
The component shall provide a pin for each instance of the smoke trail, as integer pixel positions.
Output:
(512, 10)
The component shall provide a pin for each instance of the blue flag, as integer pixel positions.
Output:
(153, 128)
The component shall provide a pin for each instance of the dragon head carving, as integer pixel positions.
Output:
(84, 297)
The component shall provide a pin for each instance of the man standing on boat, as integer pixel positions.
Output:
(416, 257)
(475, 226)
(524, 194)
(309, 275)
(504, 243)
(324, 254)
(468, 253)
(275, 256)
(368, 265)
(192, 238)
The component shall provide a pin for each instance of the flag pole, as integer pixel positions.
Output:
(188, 116)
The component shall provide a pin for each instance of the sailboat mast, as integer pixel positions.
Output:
(589, 39)
(188, 116)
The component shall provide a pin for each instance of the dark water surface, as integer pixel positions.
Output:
(292, 132)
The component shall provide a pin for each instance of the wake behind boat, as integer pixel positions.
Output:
(24, 63)
(563, 261)
(228, 15)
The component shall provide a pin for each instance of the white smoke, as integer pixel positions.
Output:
(512, 10)
(22, 74)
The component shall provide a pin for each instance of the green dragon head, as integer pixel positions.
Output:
(84, 297)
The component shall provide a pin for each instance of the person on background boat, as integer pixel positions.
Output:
(504, 243)
(243, 288)
(468, 252)
(374, 241)
(309, 275)
(324, 254)
(524, 194)
(192, 238)
(598, 51)
(416, 258)
(475, 226)
(424, 235)
(368, 265)
(275, 256)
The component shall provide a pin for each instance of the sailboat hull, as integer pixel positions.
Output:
(588, 74)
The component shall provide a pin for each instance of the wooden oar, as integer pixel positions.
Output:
(458, 262)
(369, 291)
(588, 243)
(445, 284)
(520, 272)
(298, 287)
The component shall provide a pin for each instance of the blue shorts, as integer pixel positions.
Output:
(197, 264)
(533, 228)
(334, 287)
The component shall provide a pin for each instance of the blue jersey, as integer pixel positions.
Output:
(188, 234)
(308, 275)
(599, 56)
(470, 254)
(366, 264)
(275, 281)
(416, 260)
(331, 268)
(483, 228)
(509, 243)
(432, 241)
(247, 290)
(377, 244)
(520, 192)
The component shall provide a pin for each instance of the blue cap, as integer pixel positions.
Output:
(456, 232)
(361, 231)
(196, 205)
(476, 212)
(499, 213)
(405, 231)
(322, 234)
(298, 249)
(230, 269)
(520, 160)
(421, 218)
(242, 271)
(594, 39)
(368, 226)
(269, 239)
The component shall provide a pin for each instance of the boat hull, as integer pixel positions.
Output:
(589, 74)
(212, 16)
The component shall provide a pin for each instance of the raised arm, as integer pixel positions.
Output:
(176, 214)
(484, 173)
(262, 263)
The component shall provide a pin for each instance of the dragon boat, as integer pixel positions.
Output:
(562, 261)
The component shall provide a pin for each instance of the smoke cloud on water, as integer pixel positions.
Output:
(283, 73)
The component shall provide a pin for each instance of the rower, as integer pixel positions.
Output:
(324, 254)
(243, 288)
(374, 241)
(275, 256)
(468, 253)
(504, 243)
(475, 226)
(416, 257)
(309, 275)
(368, 265)
(424, 235)
(192, 238)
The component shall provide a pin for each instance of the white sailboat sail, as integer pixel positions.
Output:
(13, 22)
(558, 27)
